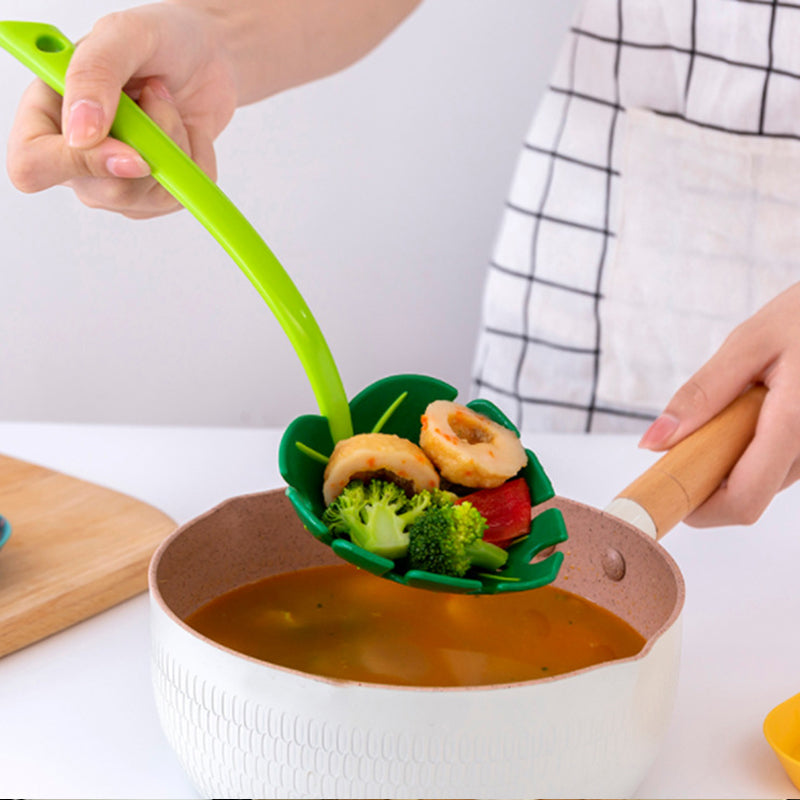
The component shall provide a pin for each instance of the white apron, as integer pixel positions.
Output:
(655, 205)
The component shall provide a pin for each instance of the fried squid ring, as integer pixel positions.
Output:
(468, 448)
(378, 455)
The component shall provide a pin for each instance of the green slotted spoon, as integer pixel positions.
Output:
(47, 53)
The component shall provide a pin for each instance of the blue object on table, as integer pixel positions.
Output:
(5, 530)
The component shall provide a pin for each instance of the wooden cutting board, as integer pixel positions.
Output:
(75, 549)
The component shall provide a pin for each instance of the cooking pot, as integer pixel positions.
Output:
(246, 728)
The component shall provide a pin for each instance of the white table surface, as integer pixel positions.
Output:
(77, 717)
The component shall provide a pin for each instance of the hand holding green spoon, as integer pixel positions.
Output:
(47, 53)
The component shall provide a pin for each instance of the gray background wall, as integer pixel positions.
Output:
(380, 189)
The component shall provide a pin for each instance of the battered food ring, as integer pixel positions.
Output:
(378, 455)
(468, 448)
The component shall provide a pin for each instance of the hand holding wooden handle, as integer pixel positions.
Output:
(689, 473)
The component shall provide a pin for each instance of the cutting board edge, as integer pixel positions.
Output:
(46, 601)
(76, 604)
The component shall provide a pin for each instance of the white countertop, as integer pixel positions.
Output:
(77, 717)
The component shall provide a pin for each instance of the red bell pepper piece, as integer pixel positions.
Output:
(507, 509)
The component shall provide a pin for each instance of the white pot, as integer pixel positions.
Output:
(246, 728)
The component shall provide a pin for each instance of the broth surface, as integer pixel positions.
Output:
(341, 622)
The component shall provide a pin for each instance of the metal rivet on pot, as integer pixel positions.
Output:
(613, 564)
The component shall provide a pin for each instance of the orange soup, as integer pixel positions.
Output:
(341, 622)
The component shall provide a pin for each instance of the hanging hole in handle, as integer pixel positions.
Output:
(49, 43)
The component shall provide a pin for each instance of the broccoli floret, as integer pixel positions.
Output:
(376, 516)
(441, 497)
(447, 540)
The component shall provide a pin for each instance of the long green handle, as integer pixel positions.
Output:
(47, 52)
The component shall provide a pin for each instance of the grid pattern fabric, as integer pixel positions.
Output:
(723, 65)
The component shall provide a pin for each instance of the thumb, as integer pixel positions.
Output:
(717, 384)
(101, 66)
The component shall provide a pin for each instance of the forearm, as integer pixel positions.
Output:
(277, 44)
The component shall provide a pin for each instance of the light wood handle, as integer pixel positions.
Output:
(689, 473)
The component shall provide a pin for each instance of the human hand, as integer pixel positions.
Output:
(764, 349)
(171, 60)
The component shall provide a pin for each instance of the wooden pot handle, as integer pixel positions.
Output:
(689, 473)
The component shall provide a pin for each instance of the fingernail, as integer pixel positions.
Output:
(84, 123)
(160, 89)
(659, 431)
(127, 166)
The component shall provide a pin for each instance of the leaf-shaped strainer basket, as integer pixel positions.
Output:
(522, 571)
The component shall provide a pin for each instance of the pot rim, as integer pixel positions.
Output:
(157, 601)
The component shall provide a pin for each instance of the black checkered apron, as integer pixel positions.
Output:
(713, 76)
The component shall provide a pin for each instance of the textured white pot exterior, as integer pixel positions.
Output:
(244, 728)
